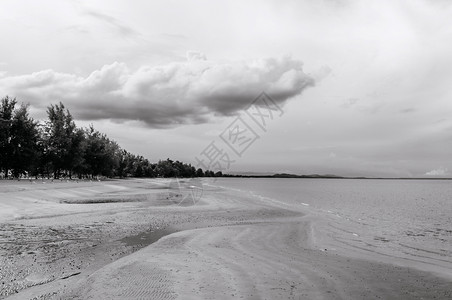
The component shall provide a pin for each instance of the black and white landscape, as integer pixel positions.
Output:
(225, 150)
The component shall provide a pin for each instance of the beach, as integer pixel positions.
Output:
(179, 239)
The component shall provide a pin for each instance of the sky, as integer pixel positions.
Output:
(346, 87)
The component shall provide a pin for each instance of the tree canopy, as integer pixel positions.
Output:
(57, 148)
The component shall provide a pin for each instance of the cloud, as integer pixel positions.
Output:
(120, 28)
(168, 95)
(321, 73)
(438, 172)
(193, 55)
(349, 102)
(408, 110)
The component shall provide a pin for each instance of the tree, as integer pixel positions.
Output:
(163, 168)
(76, 162)
(57, 147)
(102, 156)
(149, 169)
(122, 163)
(209, 173)
(60, 130)
(24, 142)
(199, 173)
(6, 115)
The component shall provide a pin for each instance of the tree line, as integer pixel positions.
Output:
(57, 148)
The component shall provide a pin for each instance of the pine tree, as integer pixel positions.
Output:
(24, 142)
(6, 119)
(60, 130)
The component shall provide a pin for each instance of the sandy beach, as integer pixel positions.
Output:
(137, 239)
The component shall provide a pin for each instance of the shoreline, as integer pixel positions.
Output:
(227, 245)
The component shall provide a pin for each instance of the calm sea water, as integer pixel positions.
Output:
(406, 218)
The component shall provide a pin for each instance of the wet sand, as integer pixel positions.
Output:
(135, 239)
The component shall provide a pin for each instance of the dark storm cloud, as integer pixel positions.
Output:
(163, 96)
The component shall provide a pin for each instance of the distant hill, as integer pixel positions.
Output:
(324, 176)
(279, 175)
(286, 175)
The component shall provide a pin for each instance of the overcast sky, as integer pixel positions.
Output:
(360, 87)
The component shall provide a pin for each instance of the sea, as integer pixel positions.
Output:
(409, 219)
